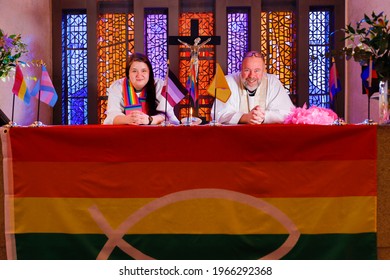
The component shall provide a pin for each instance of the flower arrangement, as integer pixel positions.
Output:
(11, 48)
(313, 115)
(369, 40)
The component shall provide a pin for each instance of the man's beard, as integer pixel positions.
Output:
(250, 88)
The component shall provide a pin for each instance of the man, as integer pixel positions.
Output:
(257, 97)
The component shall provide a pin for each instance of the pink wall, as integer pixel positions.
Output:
(356, 102)
(32, 19)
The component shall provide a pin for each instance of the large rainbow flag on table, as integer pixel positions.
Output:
(239, 192)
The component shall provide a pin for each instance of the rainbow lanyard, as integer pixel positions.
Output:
(131, 100)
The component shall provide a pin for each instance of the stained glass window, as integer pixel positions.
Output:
(206, 62)
(156, 40)
(74, 69)
(238, 37)
(319, 36)
(278, 32)
(115, 42)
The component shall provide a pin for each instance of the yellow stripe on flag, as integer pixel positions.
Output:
(197, 216)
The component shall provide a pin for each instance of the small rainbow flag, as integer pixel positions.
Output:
(191, 84)
(334, 82)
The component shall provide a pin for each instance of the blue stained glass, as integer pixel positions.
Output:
(74, 69)
(319, 44)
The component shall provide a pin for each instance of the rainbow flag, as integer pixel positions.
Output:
(311, 198)
(191, 84)
(334, 82)
(20, 87)
(368, 88)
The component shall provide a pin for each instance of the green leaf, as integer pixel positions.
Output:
(350, 29)
(367, 19)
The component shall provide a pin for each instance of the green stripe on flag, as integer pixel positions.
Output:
(198, 247)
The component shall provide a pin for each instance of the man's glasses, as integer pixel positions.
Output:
(255, 54)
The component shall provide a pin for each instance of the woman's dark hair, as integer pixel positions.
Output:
(149, 87)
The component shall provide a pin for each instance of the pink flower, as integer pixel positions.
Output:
(313, 115)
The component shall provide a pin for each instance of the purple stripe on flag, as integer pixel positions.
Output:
(175, 91)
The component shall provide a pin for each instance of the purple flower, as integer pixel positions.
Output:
(8, 43)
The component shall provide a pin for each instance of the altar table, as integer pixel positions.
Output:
(201, 192)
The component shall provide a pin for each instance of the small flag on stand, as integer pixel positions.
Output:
(219, 87)
(173, 89)
(20, 87)
(334, 81)
(370, 84)
(44, 89)
(191, 84)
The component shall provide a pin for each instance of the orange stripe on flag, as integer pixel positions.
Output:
(155, 179)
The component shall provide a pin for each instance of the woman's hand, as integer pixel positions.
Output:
(136, 118)
(133, 118)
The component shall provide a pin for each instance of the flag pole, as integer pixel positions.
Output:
(11, 122)
(166, 108)
(38, 123)
(369, 105)
(214, 121)
(215, 107)
(39, 104)
(196, 102)
(369, 121)
(166, 122)
(339, 120)
(188, 122)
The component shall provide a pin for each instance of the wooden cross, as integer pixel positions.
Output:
(173, 40)
(190, 40)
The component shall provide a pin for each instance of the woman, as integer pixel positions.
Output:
(137, 99)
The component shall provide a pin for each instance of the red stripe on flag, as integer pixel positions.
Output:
(229, 143)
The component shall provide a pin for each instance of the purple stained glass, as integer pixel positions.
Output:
(156, 40)
(238, 37)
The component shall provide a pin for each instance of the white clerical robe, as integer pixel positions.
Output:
(115, 105)
(275, 101)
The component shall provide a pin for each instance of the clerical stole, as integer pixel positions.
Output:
(259, 99)
(131, 100)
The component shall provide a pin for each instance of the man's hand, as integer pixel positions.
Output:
(255, 116)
